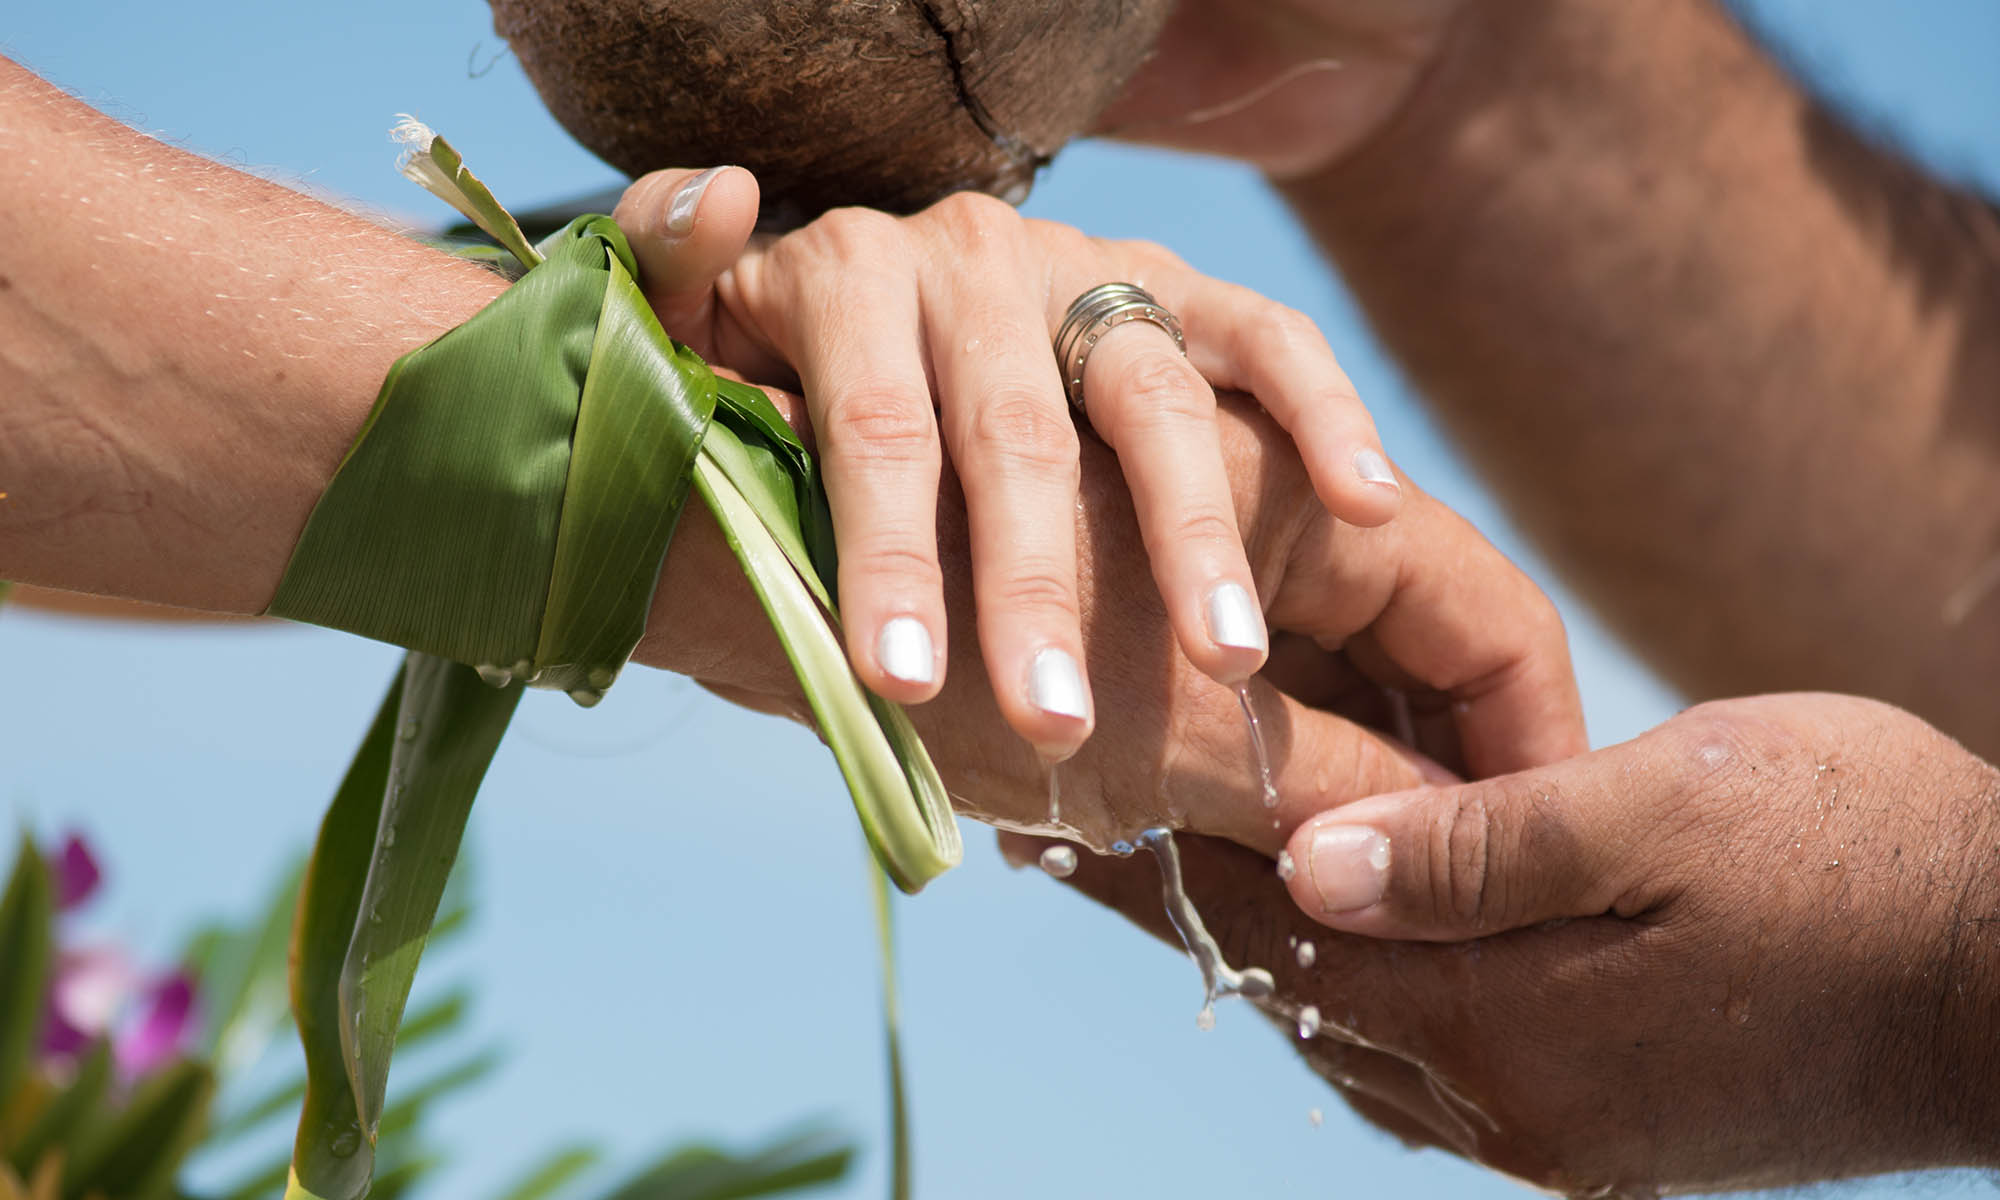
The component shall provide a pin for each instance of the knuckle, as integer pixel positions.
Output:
(851, 233)
(1159, 389)
(1059, 242)
(1461, 858)
(1284, 332)
(1541, 621)
(976, 216)
(1710, 740)
(896, 559)
(880, 421)
(1038, 587)
(1204, 526)
(1023, 426)
(1150, 253)
(1716, 757)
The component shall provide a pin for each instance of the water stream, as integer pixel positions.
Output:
(1257, 747)
(1218, 978)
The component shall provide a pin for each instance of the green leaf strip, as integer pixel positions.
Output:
(892, 1038)
(371, 893)
(450, 725)
(909, 847)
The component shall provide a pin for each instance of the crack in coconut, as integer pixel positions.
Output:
(891, 105)
(1013, 147)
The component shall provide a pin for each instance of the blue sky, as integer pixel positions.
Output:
(673, 934)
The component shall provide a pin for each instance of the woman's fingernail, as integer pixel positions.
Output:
(1348, 866)
(681, 209)
(1233, 619)
(905, 651)
(1055, 685)
(1373, 468)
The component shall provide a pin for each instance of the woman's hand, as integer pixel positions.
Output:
(1431, 612)
(872, 317)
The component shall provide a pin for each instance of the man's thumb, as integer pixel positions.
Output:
(1448, 863)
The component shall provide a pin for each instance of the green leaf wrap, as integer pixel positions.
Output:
(510, 498)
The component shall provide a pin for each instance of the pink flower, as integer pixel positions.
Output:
(100, 992)
(75, 871)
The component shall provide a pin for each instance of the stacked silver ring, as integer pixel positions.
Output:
(1096, 313)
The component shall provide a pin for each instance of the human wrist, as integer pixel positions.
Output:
(1956, 1101)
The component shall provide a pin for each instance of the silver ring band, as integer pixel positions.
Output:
(1096, 313)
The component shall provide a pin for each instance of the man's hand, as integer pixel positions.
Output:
(1291, 86)
(1754, 946)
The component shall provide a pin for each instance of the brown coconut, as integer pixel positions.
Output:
(891, 104)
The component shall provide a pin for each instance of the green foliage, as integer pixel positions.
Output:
(82, 1135)
(85, 1136)
(703, 1172)
(27, 947)
(135, 1153)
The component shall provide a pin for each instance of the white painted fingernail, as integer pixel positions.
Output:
(1233, 619)
(1373, 468)
(1055, 685)
(681, 209)
(904, 650)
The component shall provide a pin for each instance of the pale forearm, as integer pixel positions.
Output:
(1733, 369)
(185, 354)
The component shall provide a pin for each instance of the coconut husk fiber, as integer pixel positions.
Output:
(890, 104)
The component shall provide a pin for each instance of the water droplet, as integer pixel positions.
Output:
(1122, 849)
(1286, 867)
(388, 837)
(1738, 1010)
(1257, 747)
(1205, 1019)
(409, 729)
(585, 697)
(1055, 798)
(1255, 982)
(493, 676)
(1309, 1022)
(1317, 1117)
(1306, 954)
(374, 918)
(345, 1143)
(602, 678)
(1059, 861)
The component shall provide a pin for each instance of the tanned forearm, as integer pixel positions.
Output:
(185, 354)
(1737, 371)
